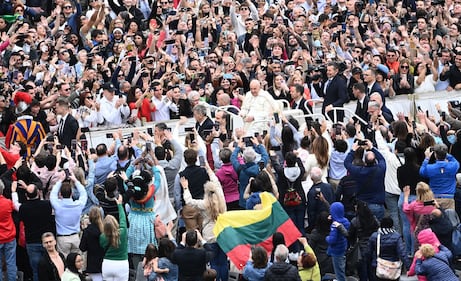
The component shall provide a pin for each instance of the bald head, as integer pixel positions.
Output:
(316, 174)
(255, 86)
(223, 100)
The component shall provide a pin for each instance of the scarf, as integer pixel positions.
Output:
(384, 231)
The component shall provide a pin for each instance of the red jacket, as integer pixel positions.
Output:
(7, 228)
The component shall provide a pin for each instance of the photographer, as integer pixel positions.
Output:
(369, 177)
(319, 197)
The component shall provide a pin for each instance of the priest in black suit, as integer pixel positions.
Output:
(68, 125)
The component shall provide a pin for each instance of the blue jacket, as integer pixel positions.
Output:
(436, 267)
(251, 273)
(337, 242)
(370, 179)
(392, 248)
(247, 170)
(441, 175)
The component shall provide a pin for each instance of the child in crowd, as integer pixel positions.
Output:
(337, 242)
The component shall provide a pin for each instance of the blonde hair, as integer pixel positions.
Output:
(80, 175)
(111, 230)
(95, 217)
(215, 203)
(427, 250)
(423, 192)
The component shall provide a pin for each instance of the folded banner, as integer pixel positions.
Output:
(237, 231)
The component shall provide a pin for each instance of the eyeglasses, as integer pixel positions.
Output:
(90, 97)
(121, 75)
(243, 9)
(149, 61)
(68, 89)
(67, 7)
(404, 67)
(357, 51)
(163, 3)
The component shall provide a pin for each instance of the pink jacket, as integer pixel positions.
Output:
(413, 210)
(426, 236)
(229, 181)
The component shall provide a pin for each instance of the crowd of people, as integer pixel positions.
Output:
(380, 187)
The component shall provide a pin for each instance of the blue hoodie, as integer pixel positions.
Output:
(337, 242)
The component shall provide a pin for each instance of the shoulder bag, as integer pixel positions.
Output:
(386, 269)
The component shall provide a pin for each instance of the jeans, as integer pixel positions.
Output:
(392, 201)
(339, 266)
(8, 252)
(219, 262)
(377, 210)
(35, 252)
(408, 235)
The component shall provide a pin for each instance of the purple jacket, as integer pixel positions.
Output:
(229, 181)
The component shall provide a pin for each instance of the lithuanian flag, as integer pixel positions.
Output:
(236, 231)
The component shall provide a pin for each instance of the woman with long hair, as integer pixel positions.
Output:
(279, 89)
(114, 241)
(423, 205)
(90, 243)
(319, 156)
(257, 265)
(166, 247)
(88, 114)
(74, 263)
(426, 141)
(362, 227)
(212, 204)
(319, 244)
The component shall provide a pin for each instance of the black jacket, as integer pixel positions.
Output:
(90, 243)
(47, 271)
(282, 271)
(283, 183)
(191, 263)
(69, 132)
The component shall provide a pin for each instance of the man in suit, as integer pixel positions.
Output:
(204, 124)
(358, 89)
(335, 89)
(369, 78)
(68, 125)
(298, 101)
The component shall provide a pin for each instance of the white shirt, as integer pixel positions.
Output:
(112, 115)
(162, 109)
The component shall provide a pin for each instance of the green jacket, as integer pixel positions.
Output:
(120, 253)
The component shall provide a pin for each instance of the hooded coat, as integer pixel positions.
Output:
(290, 176)
(337, 242)
(426, 236)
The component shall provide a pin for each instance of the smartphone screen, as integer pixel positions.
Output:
(149, 132)
(201, 159)
(276, 117)
(84, 144)
(73, 144)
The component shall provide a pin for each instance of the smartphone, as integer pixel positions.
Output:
(227, 76)
(362, 142)
(443, 116)
(427, 113)
(169, 42)
(276, 118)
(201, 159)
(109, 136)
(84, 129)
(247, 141)
(429, 203)
(264, 133)
(189, 129)
(73, 145)
(273, 25)
(67, 173)
(216, 126)
(261, 165)
(148, 146)
(84, 144)
(192, 137)
(149, 132)
(256, 134)
(419, 108)
(241, 91)
(338, 130)
(60, 146)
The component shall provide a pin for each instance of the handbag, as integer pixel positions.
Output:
(386, 269)
(292, 198)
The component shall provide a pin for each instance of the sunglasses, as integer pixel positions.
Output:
(67, 7)
(404, 67)
(90, 97)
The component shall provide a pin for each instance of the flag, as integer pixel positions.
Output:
(237, 231)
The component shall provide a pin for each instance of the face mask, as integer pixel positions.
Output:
(452, 139)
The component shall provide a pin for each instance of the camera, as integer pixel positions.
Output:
(362, 142)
